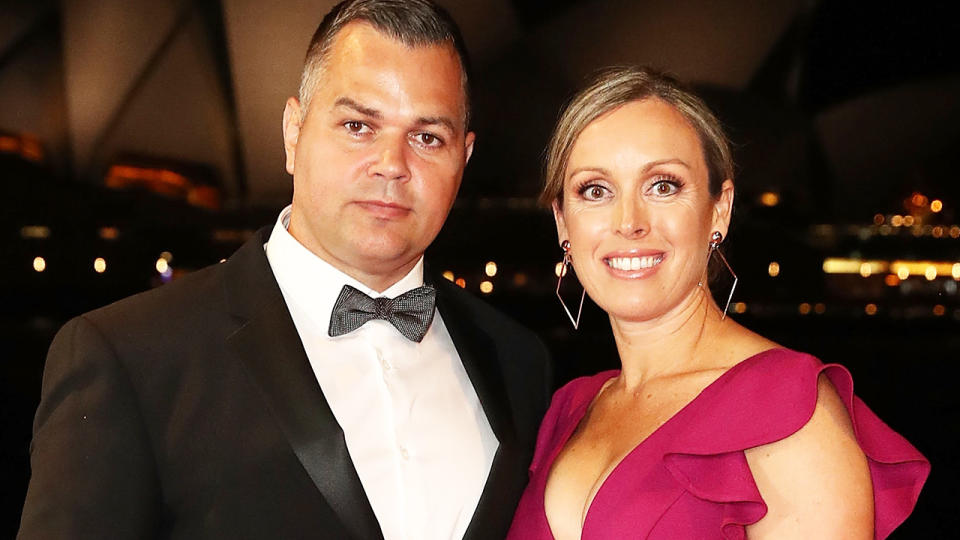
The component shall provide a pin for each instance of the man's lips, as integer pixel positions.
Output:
(384, 209)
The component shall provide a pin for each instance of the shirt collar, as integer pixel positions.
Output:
(312, 283)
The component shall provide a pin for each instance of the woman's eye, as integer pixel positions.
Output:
(593, 192)
(665, 187)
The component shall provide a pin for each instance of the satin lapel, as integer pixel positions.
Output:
(270, 348)
(479, 356)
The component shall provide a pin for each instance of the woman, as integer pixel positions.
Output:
(708, 430)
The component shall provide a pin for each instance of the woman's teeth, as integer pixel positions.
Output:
(633, 263)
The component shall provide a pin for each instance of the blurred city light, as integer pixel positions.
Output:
(773, 269)
(448, 275)
(486, 287)
(35, 231)
(99, 265)
(490, 269)
(769, 198)
(109, 233)
(39, 264)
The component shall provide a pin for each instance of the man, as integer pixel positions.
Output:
(268, 396)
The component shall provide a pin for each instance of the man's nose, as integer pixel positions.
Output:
(391, 159)
(631, 218)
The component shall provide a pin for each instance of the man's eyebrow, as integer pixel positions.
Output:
(436, 121)
(357, 106)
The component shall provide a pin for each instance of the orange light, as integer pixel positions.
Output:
(878, 219)
(739, 307)
(955, 271)
(908, 221)
(936, 205)
(490, 269)
(769, 198)
(939, 310)
(519, 279)
(773, 269)
(918, 199)
(804, 308)
(865, 269)
(930, 273)
(937, 232)
(896, 220)
(35, 231)
(448, 275)
(870, 309)
(891, 280)
(39, 264)
(462, 283)
(820, 308)
(99, 265)
(486, 287)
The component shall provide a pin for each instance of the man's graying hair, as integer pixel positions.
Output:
(415, 23)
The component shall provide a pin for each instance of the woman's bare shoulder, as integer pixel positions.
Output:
(816, 481)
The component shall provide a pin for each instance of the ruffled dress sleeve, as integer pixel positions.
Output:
(762, 400)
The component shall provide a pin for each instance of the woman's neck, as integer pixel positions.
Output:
(672, 343)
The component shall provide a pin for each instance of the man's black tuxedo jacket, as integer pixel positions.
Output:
(191, 411)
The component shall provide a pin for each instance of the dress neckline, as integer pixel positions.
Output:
(597, 383)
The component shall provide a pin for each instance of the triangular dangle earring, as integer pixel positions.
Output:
(564, 266)
(715, 239)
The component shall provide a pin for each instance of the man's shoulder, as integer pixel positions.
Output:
(465, 304)
(188, 296)
(194, 296)
(472, 310)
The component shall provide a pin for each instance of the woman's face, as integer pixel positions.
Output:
(637, 210)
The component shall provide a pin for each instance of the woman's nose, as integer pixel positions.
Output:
(630, 218)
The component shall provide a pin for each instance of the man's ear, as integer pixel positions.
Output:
(468, 146)
(723, 208)
(292, 121)
(561, 224)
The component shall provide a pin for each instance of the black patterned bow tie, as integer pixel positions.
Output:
(411, 313)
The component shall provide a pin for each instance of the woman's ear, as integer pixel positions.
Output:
(723, 208)
(558, 218)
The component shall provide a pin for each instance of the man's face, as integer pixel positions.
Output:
(378, 159)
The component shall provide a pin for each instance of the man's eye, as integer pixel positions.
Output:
(428, 139)
(354, 126)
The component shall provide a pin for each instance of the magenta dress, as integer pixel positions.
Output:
(690, 479)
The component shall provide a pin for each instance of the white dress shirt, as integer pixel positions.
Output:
(413, 424)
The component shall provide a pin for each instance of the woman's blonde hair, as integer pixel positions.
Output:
(618, 86)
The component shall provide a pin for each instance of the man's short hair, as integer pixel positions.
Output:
(415, 23)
